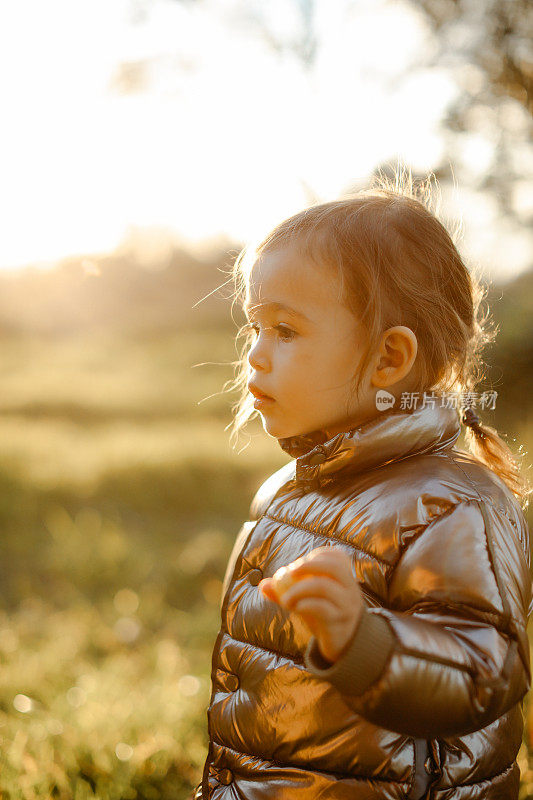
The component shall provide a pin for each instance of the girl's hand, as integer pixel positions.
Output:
(322, 589)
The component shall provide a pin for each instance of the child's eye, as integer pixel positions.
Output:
(285, 334)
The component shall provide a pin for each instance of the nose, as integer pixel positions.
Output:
(257, 355)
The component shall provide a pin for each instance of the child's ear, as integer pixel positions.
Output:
(396, 355)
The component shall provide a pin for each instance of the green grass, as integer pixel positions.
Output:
(120, 498)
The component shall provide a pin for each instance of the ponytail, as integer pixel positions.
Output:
(487, 446)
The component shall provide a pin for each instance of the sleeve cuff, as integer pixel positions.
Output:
(363, 659)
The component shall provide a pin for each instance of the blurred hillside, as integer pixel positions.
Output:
(128, 292)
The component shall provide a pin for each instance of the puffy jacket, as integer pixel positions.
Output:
(426, 698)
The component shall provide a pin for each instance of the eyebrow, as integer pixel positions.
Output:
(275, 306)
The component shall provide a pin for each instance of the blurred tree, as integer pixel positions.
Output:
(496, 36)
(489, 49)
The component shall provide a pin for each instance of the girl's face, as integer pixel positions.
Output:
(307, 348)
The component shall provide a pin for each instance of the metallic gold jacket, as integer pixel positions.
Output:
(426, 699)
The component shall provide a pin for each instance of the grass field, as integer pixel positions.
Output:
(120, 498)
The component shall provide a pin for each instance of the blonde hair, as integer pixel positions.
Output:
(398, 265)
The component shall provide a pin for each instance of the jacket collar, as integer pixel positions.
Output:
(391, 436)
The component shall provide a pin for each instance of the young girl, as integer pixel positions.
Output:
(391, 659)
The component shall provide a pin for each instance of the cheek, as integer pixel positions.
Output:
(332, 368)
(299, 367)
(345, 362)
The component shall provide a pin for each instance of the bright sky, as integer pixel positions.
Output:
(225, 136)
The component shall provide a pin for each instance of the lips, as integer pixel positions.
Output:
(257, 393)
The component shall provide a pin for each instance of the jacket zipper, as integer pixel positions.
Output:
(421, 780)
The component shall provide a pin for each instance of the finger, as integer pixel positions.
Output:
(316, 586)
(320, 608)
(266, 586)
(316, 613)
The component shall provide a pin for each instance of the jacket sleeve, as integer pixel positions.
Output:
(449, 653)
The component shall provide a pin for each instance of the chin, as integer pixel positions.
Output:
(282, 429)
(274, 429)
